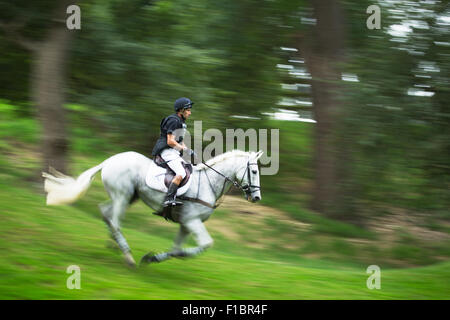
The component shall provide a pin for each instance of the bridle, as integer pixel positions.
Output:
(247, 188)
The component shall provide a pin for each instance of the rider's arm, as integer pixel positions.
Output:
(173, 143)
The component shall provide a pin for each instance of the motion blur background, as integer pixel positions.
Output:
(364, 144)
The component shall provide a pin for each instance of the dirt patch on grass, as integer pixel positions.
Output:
(250, 225)
(257, 226)
(224, 228)
(256, 213)
(393, 226)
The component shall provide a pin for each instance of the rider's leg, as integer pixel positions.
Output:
(172, 190)
(175, 162)
(172, 193)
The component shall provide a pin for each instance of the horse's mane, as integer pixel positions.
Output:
(221, 157)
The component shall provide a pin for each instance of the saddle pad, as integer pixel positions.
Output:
(155, 179)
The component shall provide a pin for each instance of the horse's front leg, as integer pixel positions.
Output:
(150, 257)
(201, 236)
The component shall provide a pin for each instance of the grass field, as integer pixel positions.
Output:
(38, 243)
(277, 250)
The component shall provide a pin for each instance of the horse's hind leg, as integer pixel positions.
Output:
(106, 210)
(111, 215)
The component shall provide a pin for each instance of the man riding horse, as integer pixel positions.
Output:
(124, 176)
(170, 146)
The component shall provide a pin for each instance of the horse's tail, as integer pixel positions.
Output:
(62, 189)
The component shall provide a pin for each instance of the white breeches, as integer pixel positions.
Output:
(175, 161)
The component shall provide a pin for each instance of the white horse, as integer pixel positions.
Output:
(124, 178)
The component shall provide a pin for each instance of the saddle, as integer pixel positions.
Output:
(170, 174)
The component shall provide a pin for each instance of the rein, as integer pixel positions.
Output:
(235, 183)
(246, 188)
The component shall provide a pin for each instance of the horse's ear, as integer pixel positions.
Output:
(259, 154)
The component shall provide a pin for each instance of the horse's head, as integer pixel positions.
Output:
(248, 176)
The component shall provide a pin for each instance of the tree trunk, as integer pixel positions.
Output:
(323, 63)
(48, 85)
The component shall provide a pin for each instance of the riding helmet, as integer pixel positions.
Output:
(183, 103)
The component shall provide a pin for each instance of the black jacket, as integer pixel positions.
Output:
(168, 125)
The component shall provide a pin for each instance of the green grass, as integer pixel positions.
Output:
(38, 243)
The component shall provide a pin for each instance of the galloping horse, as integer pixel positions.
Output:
(124, 178)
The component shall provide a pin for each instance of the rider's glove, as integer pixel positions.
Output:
(191, 153)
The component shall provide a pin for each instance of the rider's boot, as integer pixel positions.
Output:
(171, 196)
(169, 202)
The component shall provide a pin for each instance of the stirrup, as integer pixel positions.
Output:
(172, 203)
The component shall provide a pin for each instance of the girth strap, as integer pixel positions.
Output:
(198, 201)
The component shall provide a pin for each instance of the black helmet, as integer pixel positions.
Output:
(183, 103)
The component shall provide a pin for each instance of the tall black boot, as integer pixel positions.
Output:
(171, 195)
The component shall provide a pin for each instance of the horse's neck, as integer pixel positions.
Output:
(231, 165)
(228, 167)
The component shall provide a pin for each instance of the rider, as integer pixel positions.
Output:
(170, 145)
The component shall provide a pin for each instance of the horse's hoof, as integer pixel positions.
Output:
(148, 258)
(130, 260)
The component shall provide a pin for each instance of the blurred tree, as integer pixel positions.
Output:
(396, 123)
(40, 27)
(380, 138)
(323, 56)
(132, 61)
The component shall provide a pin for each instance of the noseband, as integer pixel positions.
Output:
(248, 187)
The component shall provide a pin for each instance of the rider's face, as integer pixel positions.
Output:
(186, 113)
